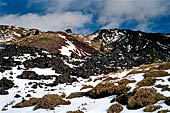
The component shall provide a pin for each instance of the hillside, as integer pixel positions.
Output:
(110, 70)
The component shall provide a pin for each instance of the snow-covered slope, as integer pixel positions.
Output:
(24, 89)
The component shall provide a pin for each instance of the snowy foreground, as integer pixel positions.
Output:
(85, 103)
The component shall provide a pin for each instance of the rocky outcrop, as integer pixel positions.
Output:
(5, 84)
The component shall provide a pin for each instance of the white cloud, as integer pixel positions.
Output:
(113, 13)
(61, 14)
(51, 21)
(142, 11)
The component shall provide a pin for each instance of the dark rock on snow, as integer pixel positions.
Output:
(5, 84)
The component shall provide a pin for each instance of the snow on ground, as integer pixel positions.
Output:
(67, 50)
(6, 39)
(86, 104)
(70, 48)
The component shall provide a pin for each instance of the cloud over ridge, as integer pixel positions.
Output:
(76, 14)
(51, 21)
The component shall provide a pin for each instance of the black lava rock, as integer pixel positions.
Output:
(28, 75)
(5, 84)
(65, 78)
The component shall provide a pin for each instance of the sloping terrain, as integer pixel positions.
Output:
(9, 34)
(53, 42)
(144, 88)
(104, 72)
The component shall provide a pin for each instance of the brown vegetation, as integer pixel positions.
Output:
(144, 97)
(99, 78)
(164, 87)
(107, 89)
(125, 81)
(135, 71)
(50, 101)
(86, 87)
(164, 111)
(148, 66)
(115, 108)
(27, 103)
(158, 73)
(76, 94)
(49, 41)
(164, 66)
(46, 102)
(89, 80)
(167, 101)
(146, 82)
(152, 108)
(110, 78)
(63, 95)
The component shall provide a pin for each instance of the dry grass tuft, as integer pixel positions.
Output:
(76, 94)
(152, 108)
(63, 95)
(50, 101)
(115, 108)
(99, 78)
(146, 82)
(110, 78)
(164, 111)
(46, 102)
(125, 81)
(86, 87)
(135, 71)
(164, 87)
(144, 97)
(164, 66)
(158, 73)
(148, 66)
(89, 80)
(107, 89)
(27, 103)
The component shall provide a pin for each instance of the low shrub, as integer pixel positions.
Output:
(144, 97)
(115, 108)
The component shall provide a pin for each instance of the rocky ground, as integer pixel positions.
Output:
(105, 72)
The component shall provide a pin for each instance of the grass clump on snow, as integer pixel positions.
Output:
(144, 97)
(115, 108)
(146, 82)
(164, 87)
(152, 108)
(107, 89)
(46, 102)
(158, 73)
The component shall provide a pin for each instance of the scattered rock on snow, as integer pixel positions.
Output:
(64, 78)
(5, 84)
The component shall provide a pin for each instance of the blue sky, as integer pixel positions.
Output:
(87, 16)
